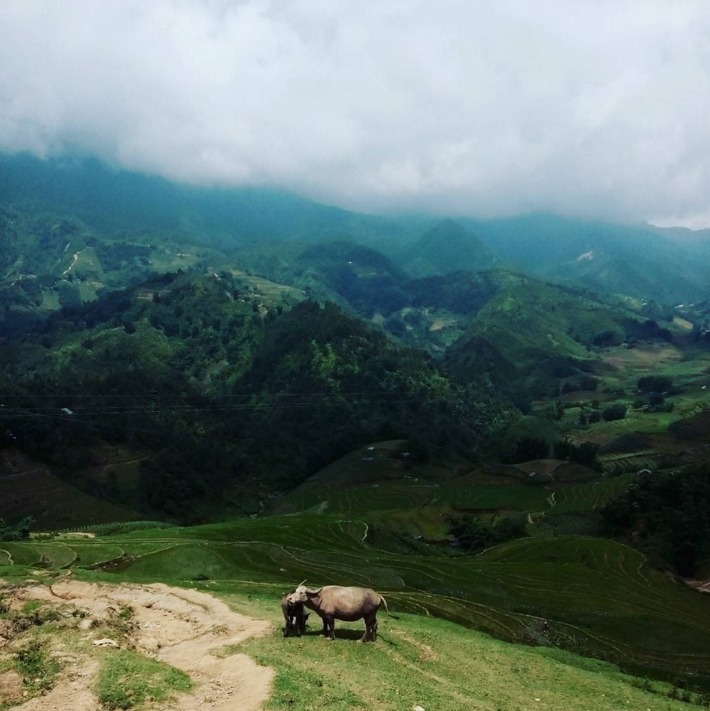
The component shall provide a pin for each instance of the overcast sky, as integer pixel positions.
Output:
(587, 107)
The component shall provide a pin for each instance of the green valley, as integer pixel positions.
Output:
(500, 425)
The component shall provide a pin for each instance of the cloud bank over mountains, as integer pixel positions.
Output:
(596, 107)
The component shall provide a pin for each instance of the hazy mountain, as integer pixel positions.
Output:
(447, 247)
(638, 260)
(117, 201)
(83, 197)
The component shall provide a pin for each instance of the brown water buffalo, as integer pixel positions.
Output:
(333, 602)
(295, 617)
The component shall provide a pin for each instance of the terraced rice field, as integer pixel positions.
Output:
(402, 499)
(597, 597)
(590, 495)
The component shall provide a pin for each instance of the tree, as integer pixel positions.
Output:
(19, 532)
(667, 515)
(472, 535)
(614, 412)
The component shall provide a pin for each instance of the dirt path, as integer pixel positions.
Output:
(702, 585)
(185, 628)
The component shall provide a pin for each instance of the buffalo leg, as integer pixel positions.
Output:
(370, 629)
(302, 623)
(329, 627)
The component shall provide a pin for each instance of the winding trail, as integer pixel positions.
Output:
(75, 259)
(188, 629)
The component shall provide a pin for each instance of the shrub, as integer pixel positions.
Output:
(19, 532)
(36, 667)
(654, 384)
(614, 412)
(472, 535)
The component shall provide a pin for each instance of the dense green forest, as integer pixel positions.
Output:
(667, 516)
(226, 393)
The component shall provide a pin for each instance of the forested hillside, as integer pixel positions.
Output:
(188, 354)
(532, 337)
(222, 392)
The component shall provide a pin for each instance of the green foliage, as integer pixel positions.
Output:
(472, 535)
(362, 277)
(654, 384)
(461, 292)
(526, 449)
(220, 397)
(36, 667)
(530, 335)
(447, 247)
(668, 515)
(127, 679)
(17, 532)
(614, 412)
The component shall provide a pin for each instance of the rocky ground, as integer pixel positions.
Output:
(76, 622)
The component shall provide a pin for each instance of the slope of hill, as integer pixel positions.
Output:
(225, 390)
(597, 598)
(531, 334)
(116, 201)
(417, 661)
(447, 247)
(353, 275)
(638, 260)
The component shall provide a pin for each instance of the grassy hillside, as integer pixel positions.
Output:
(447, 247)
(530, 335)
(420, 661)
(416, 662)
(597, 597)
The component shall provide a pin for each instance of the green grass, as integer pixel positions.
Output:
(463, 493)
(36, 667)
(93, 553)
(422, 661)
(128, 680)
(602, 597)
(590, 495)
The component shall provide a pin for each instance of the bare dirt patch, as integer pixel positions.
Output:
(190, 630)
(701, 585)
(642, 357)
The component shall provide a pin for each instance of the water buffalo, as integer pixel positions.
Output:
(294, 617)
(333, 602)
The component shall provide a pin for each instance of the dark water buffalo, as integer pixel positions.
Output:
(333, 602)
(295, 617)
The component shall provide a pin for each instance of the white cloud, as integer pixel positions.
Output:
(596, 107)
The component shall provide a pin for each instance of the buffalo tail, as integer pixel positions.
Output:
(387, 610)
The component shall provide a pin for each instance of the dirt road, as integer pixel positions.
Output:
(190, 630)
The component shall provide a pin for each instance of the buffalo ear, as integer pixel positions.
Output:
(313, 593)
